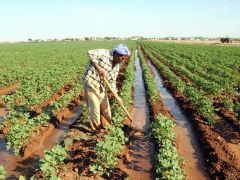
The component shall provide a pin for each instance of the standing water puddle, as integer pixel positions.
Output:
(141, 147)
(17, 165)
(188, 147)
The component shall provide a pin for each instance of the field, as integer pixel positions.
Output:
(42, 108)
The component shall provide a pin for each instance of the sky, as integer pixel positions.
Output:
(48, 19)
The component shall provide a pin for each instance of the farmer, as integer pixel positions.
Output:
(103, 63)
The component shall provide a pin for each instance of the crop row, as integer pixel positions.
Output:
(212, 67)
(26, 127)
(204, 85)
(202, 103)
(222, 59)
(169, 165)
(205, 70)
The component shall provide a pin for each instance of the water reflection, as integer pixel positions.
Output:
(188, 146)
(141, 110)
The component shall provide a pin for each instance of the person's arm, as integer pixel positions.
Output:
(102, 72)
(94, 56)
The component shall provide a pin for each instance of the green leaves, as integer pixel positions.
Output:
(169, 165)
(213, 72)
(149, 80)
(23, 126)
(161, 128)
(202, 104)
(2, 173)
(52, 159)
(21, 178)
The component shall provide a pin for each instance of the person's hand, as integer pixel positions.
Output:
(102, 73)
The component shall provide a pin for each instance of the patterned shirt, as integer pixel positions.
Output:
(104, 59)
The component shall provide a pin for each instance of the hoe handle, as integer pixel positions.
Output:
(117, 98)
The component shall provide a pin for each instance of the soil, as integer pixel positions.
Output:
(81, 153)
(34, 141)
(138, 159)
(79, 143)
(8, 89)
(229, 116)
(219, 142)
(2, 112)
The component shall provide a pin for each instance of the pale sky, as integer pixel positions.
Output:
(43, 19)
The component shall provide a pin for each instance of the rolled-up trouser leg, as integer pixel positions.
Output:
(93, 103)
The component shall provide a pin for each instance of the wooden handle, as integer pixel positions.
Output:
(116, 97)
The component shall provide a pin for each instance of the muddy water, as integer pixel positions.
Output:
(17, 165)
(141, 110)
(188, 147)
(141, 148)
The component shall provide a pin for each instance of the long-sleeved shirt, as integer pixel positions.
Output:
(104, 59)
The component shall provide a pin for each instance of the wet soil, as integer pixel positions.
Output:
(79, 143)
(141, 111)
(45, 139)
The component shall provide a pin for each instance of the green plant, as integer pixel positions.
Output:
(228, 103)
(40, 72)
(21, 178)
(52, 159)
(237, 110)
(23, 126)
(108, 150)
(149, 80)
(169, 164)
(202, 104)
(1, 126)
(2, 172)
